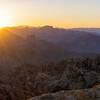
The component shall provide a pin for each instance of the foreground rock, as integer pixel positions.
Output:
(74, 78)
(85, 94)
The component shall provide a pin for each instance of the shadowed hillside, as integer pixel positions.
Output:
(72, 40)
(16, 50)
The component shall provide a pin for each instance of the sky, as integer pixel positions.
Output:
(58, 13)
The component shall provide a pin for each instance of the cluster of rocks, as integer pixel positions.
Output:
(66, 80)
(85, 94)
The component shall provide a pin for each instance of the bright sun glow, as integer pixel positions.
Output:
(5, 19)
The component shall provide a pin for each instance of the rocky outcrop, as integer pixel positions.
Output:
(65, 80)
(85, 94)
(71, 78)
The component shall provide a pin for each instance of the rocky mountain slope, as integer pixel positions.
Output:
(85, 94)
(25, 72)
(73, 76)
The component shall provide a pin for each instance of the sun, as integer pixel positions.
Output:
(5, 19)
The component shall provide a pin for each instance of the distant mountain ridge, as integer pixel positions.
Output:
(92, 30)
(16, 50)
(71, 39)
(42, 44)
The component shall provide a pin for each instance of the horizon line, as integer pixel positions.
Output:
(12, 26)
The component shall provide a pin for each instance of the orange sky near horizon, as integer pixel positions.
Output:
(58, 13)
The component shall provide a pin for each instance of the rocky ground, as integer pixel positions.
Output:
(85, 94)
(70, 79)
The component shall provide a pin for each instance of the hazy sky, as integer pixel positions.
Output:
(60, 13)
